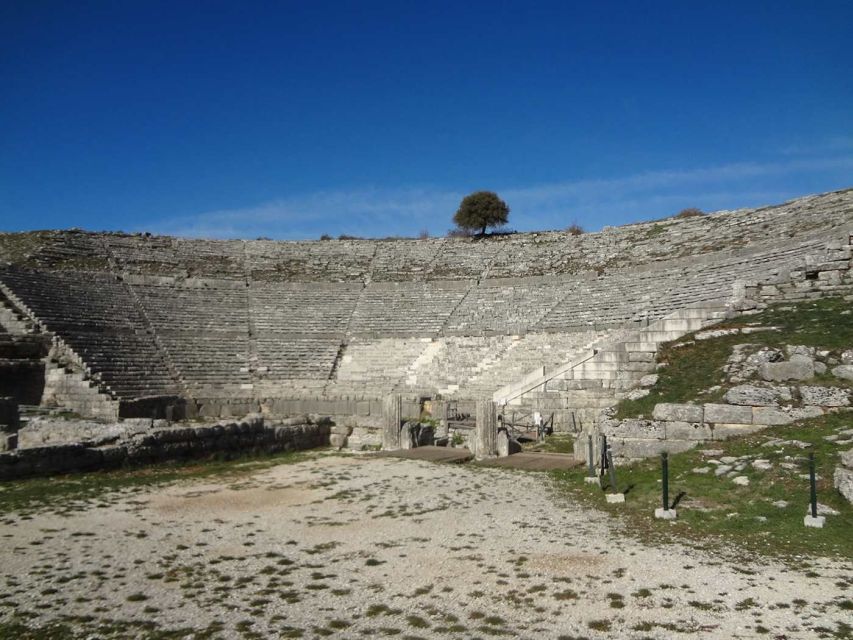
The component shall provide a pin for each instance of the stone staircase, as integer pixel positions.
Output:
(12, 320)
(67, 382)
(577, 392)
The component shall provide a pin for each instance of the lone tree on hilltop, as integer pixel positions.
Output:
(480, 210)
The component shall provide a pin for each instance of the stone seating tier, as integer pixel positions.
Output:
(510, 256)
(156, 316)
(281, 357)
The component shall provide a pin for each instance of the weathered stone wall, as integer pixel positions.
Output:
(44, 430)
(679, 427)
(249, 435)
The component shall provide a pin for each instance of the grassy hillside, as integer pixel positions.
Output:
(693, 369)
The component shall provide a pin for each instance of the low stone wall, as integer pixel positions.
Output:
(678, 427)
(249, 435)
(172, 408)
(49, 431)
(353, 411)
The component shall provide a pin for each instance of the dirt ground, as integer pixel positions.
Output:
(357, 547)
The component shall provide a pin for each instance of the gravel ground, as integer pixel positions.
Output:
(374, 547)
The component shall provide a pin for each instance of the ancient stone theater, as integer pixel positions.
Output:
(112, 326)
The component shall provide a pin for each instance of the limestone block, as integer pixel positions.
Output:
(641, 356)
(628, 448)
(649, 380)
(844, 371)
(770, 416)
(632, 428)
(341, 429)
(728, 414)
(506, 445)
(636, 394)
(338, 441)
(801, 413)
(843, 481)
(362, 408)
(825, 396)
(847, 458)
(726, 431)
(678, 412)
(751, 395)
(791, 370)
(688, 431)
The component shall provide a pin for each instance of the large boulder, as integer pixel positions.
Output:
(825, 396)
(843, 478)
(844, 371)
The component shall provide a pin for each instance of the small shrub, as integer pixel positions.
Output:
(575, 229)
(424, 234)
(325, 236)
(691, 212)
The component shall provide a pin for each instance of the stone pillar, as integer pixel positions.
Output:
(439, 413)
(392, 416)
(506, 445)
(485, 442)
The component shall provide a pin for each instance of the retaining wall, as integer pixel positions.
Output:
(249, 435)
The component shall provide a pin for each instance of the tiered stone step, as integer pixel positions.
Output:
(576, 396)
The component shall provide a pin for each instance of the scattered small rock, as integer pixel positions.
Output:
(741, 481)
(822, 510)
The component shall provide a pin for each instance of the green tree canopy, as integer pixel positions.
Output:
(480, 210)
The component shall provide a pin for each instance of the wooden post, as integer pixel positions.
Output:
(392, 416)
(485, 443)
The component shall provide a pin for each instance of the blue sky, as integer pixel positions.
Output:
(289, 120)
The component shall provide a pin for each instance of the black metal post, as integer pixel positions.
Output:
(612, 468)
(604, 464)
(664, 460)
(813, 483)
(590, 461)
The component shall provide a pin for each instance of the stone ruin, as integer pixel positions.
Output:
(111, 326)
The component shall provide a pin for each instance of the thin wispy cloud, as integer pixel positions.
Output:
(378, 212)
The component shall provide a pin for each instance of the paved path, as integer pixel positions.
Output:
(528, 461)
(534, 461)
(431, 454)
